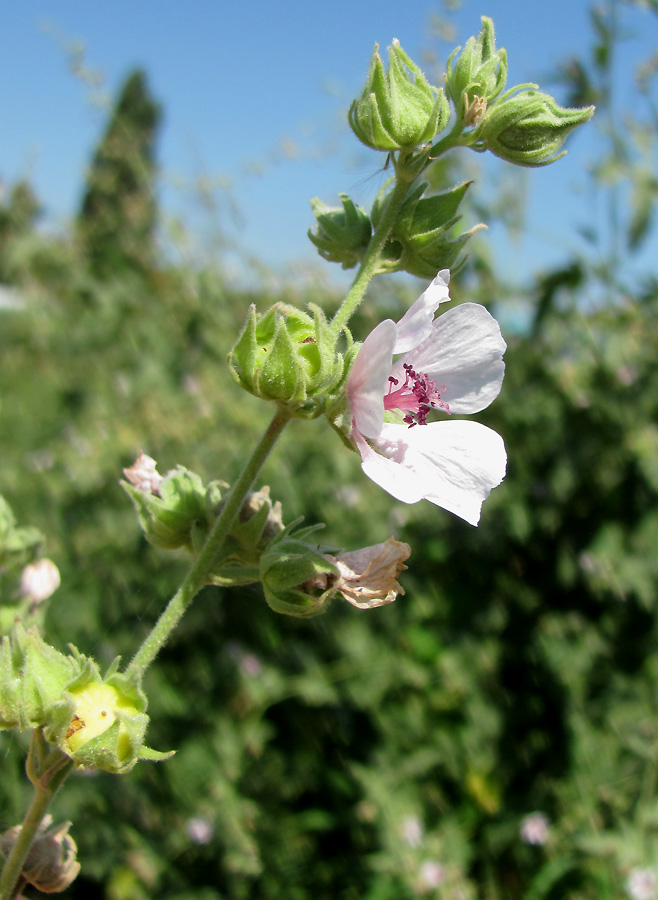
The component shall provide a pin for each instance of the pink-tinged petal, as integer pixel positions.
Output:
(416, 324)
(464, 352)
(368, 378)
(402, 483)
(452, 464)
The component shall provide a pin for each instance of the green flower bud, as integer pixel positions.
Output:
(343, 234)
(421, 242)
(399, 109)
(294, 573)
(288, 356)
(32, 677)
(477, 75)
(167, 506)
(528, 127)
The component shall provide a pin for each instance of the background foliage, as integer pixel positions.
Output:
(377, 755)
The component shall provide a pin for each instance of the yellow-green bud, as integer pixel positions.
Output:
(477, 75)
(342, 235)
(398, 110)
(528, 127)
(288, 356)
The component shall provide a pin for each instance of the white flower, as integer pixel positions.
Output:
(39, 580)
(411, 831)
(534, 829)
(452, 364)
(642, 885)
(144, 476)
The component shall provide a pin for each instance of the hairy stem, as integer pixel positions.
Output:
(197, 577)
(47, 768)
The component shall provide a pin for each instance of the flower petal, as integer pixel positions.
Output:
(368, 378)
(464, 352)
(416, 324)
(452, 464)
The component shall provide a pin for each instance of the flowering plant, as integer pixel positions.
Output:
(379, 395)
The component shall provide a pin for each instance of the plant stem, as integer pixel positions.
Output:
(47, 769)
(370, 265)
(197, 577)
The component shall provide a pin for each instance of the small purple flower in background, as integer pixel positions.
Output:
(642, 884)
(199, 830)
(431, 874)
(452, 364)
(534, 829)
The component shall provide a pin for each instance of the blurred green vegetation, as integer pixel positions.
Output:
(364, 756)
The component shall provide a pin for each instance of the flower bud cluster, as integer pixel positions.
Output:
(421, 240)
(178, 510)
(399, 109)
(288, 356)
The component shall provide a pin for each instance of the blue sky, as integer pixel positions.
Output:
(255, 96)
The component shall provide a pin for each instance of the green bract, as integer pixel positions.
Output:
(258, 523)
(477, 75)
(288, 356)
(342, 235)
(32, 677)
(421, 242)
(294, 573)
(400, 109)
(527, 127)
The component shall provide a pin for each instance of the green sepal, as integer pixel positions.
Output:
(398, 110)
(293, 574)
(342, 235)
(32, 677)
(479, 71)
(421, 241)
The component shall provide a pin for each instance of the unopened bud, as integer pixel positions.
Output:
(288, 356)
(398, 109)
(342, 235)
(477, 75)
(528, 127)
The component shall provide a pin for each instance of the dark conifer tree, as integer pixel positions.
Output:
(117, 218)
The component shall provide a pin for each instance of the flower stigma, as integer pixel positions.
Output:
(419, 395)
